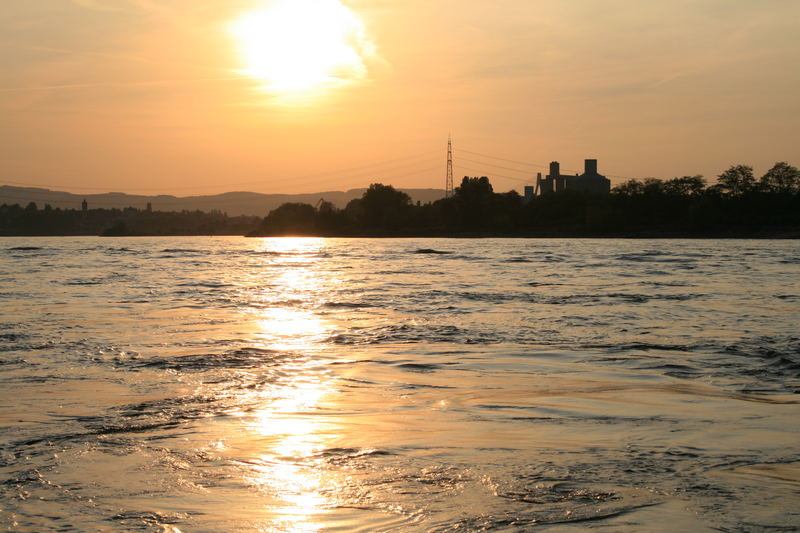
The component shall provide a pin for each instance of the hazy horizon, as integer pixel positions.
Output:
(280, 97)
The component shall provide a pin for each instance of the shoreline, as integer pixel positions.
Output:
(641, 235)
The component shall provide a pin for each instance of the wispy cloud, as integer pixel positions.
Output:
(101, 5)
(122, 84)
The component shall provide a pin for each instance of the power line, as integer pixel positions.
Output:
(504, 159)
(493, 165)
(328, 178)
(540, 165)
(348, 176)
(325, 176)
(495, 175)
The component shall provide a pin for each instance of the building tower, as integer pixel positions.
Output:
(448, 184)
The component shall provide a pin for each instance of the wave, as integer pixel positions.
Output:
(242, 358)
(13, 337)
(206, 284)
(659, 257)
(432, 251)
(275, 253)
(418, 367)
(347, 305)
(412, 334)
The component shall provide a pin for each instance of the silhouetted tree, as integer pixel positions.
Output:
(330, 220)
(507, 212)
(782, 178)
(354, 210)
(737, 180)
(685, 186)
(290, 219)
(384, 207)
(472, 189)
(629, 188)
(653, 186)
(475, 201)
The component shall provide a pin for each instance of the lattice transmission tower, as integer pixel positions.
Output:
(448, 184)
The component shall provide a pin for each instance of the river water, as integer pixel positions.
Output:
(230, 384)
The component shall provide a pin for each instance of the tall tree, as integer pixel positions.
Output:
(474, 188)
(737, 180)
(384, 207)
(475, 202)
(290, 219)
(781, 178)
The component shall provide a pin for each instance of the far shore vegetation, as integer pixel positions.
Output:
(738, 205)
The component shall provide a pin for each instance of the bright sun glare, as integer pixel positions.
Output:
(302, 45)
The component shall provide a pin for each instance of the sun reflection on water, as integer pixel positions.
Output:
(289, 329)
(289, 439)
(293, 245)
(284, 301)
(287, 432)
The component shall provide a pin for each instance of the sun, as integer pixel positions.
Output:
(302, 45)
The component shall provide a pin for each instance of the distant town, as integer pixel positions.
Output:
(739, 204)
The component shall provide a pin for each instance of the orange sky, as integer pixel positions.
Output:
(158, 97)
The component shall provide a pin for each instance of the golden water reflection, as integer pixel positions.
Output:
(289, 329)
(287, 429)
(288, 294)
(291, 438)
(293, 245)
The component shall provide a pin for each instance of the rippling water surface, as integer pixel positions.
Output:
(230, 384)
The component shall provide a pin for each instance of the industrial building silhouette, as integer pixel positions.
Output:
(555, 182)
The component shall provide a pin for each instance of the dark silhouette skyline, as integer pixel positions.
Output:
(738, 205)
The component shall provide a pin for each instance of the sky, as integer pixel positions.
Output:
(295, 96)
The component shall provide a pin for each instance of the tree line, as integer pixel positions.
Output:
(31, 220)
(737, 205)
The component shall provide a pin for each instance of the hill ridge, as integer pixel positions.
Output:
(234, 203)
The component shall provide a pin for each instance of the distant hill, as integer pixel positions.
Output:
(232, 203)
